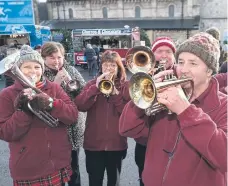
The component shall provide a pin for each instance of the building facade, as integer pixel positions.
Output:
(175, 18)
(214, 13)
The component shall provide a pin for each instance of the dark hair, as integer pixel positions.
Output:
(114, 57)
(49, 48)
(223, 68)
(37, 47)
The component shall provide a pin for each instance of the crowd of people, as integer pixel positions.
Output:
(185, 147)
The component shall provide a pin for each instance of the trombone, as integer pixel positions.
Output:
(142, 88)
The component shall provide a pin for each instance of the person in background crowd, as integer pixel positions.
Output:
(38, 48)
(181, 147)
(2, 56)
(91, 59)
(59, 71)
(16, 44)
(39, 154)
(222, 81)
(222, 78)
(97, 51)
(216, 34)
(223, 67)
(104, 147)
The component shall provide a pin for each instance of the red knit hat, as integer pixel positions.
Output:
(163, 41)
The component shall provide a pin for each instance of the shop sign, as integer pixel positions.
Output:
(16, 12)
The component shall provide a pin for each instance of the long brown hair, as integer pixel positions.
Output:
(114, 57)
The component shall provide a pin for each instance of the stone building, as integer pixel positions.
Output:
(214, 13)
(175, 18)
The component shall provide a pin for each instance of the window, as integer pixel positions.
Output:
(137, 12)
(71, 13)
(105, 12)
(171, 10)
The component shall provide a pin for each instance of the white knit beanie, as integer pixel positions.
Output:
(28, 54)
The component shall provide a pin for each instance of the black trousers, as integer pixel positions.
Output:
(140, 152)
(99, 161)
(75, 177)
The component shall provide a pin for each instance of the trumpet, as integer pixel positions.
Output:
(143, 91)
(8, 67)
(71, 85)
(142, 88)
(106, 86)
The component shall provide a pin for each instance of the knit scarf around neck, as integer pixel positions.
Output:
(41, 83)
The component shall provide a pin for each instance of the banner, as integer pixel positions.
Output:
(101, 32)
(16, 12)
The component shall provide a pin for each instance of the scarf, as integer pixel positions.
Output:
(42, 83)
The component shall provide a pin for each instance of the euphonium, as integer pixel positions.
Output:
(140, 59)
(8, 67)
(142, 89)
(106, 86)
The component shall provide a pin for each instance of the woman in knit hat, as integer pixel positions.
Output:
(188, 147)
(39, 154)
(58, 70)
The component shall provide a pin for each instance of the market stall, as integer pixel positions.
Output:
(119, 39)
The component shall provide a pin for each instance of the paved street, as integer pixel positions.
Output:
(129, 171)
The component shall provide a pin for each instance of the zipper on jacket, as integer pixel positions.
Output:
(171, 156)
(106, 148)
(49, 149)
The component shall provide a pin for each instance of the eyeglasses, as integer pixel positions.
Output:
(106, 65)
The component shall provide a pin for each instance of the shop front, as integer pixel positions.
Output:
(117, 39)
(17, 26)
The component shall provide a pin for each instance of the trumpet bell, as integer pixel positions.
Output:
(106, 87)
(142, 90)
(8, 62)
(140, 59)
(72, 85)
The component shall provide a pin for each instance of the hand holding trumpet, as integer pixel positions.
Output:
(106, 87)
(61, 76)
(174, 99)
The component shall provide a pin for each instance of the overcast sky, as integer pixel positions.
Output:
(42, 0)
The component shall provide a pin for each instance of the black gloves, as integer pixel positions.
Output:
(21, 102)
(42, 102)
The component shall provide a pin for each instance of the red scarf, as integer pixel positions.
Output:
(41, 83)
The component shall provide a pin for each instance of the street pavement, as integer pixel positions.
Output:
(129, 174)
